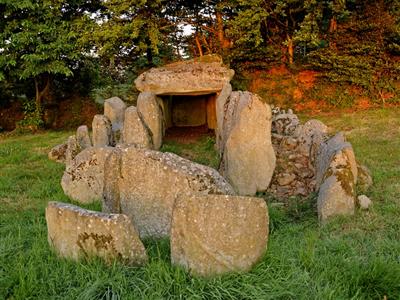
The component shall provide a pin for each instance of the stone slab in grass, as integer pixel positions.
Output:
(76, 233)
(217, 234)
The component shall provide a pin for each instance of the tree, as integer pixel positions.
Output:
(125, 30)
(38, 39)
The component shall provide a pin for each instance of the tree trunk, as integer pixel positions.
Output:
(290, 49)
(332, 32)
(149, 52)
(206, 44)
(40, 94)
(198, 44)
(224, 43)
(332, 25)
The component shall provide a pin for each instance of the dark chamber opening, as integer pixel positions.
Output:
(189, 117)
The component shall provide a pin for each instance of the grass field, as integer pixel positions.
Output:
(354, 257)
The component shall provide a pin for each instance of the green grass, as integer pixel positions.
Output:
(202, 151)
(354, 257)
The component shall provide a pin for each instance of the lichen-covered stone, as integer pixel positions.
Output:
(150, 181)
(58, 153)
(72, 151)
(202, 76)
(83, 138)
(248, 160)
(134, 130)
(216, 234)
(83, 178)
(102, 132)
(336, 178)
(114, 110)
(77, 233)
(150, 112)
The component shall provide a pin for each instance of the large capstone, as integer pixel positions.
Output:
(150, 182)
(336, 178)
(199, 76)
(77, 233)
(248, 159)
(83, 178)
(216, 234)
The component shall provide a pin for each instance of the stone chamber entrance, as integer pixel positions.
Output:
(189, 117)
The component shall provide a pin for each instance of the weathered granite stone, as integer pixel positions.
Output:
(364, 202)
(149, 183)
(112, 171)
(102, 132)
(150, 112)
(77, 233)
(73, 150)
(336, 177)
(216, 234)
(58, 153)
(134, 130)
(221, 101)
(328, 150)
(248, 160)
(83, 138)
(199, 76)
(114, 110)
(83, 179)
(364, 178)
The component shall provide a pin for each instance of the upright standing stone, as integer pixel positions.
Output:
(83, 138)
(248, 160)
(112, 170)
(83, 179)
(114, 110)
(150, 182)
(149, 109)
(76, 233)
(102, 133)
(73, 150)
(336, 178)
(134, 130)
(221, 101)
(216, 234)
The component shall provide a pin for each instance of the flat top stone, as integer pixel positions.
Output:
(192, 77)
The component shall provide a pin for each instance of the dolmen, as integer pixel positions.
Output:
(213, 219)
